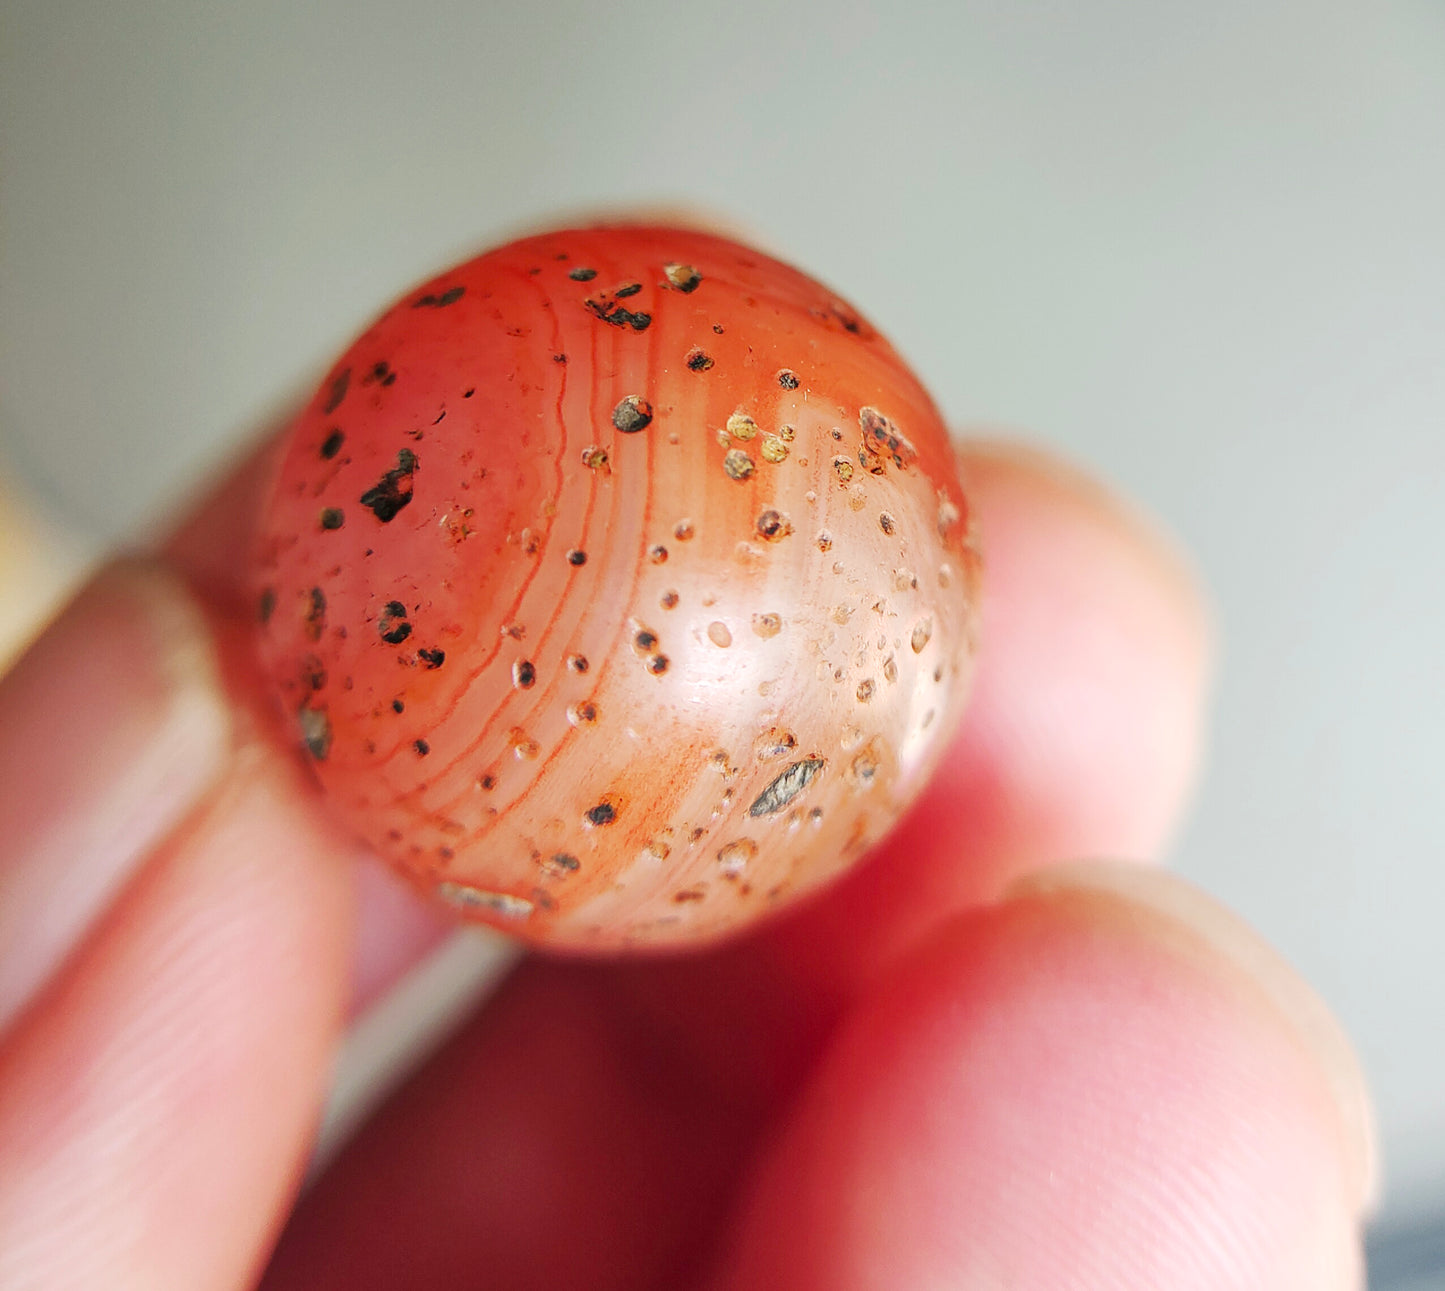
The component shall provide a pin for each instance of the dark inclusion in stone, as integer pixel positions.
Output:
(632, 414)
(392, 624)
(315, 732)
(786, 787)
(315, 613)
(609, 309)
(448, 297)
(393, 491)
(337, 392)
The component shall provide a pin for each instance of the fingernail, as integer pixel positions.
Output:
(1220, 934)
(112, 725)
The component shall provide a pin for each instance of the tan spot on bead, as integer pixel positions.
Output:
(741, 426)
(734, 857)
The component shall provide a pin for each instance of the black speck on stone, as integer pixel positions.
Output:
(699, 360)
(632, 414)
(604, 813)
(398, 706)
(526, 674)
(609, 311)
(332, 518)
(392, 492)
(392, 624)
(316, 613)
(566, 861)
(582, 274)
(422, 748)
(337, 393)
(331, 445)
(627, 289)
(432, 658)
(788, 379)
(645, 640)
(266, 606)
(658, 664)
(313, 673)
(559, 358)
(576, 557)
(448, 297)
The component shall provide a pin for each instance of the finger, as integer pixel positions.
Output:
(576, 1074)
(157, 1099)
(211, 540)
(112, 727)
(1104, 1082)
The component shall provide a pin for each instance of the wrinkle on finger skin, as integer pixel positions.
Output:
(157, 1103)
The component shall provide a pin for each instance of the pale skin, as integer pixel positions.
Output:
(969, 1065)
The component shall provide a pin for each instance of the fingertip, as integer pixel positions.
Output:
(1059, 1091)
(1202, 930)
(1097, 654)
(1043, 481)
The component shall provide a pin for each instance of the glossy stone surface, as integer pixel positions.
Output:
(620, 584)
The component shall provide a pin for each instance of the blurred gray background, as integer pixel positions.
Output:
(1199, 247)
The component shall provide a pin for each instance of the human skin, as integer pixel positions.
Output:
(968, 1064)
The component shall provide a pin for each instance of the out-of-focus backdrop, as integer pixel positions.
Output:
(1199, 247)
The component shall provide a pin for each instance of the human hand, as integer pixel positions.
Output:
(959, 1067)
